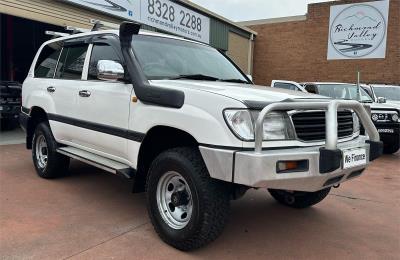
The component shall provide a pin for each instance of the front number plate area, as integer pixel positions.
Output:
(354, 158)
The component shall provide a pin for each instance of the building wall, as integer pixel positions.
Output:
(297, 50)
(62, 14)
(239, 51)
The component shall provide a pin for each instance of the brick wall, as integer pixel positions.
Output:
(297, 51)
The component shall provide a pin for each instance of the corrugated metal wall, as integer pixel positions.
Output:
(63, 14)
(219, 34)
(53, 12)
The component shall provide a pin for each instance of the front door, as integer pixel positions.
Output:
(103, 107)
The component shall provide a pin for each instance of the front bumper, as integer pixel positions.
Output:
(323, 166)
(259, 170)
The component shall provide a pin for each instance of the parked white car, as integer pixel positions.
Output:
(289, 85)
(389, 94)
(384, 116)
(182, 120)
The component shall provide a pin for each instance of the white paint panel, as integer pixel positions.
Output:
(353, 158)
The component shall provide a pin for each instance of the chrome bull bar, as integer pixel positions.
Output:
(331, 124)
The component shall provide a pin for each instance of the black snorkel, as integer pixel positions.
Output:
(145, 92)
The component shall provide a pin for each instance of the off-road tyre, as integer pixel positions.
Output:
(57, 164)
(299, 199)
(210, 199)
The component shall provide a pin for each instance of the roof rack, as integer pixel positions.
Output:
(102, 25)
(56, 34)
(97, 26)
(75, 30)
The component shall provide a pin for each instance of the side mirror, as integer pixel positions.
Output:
(109, 70)
(381, 100)
(250, 77)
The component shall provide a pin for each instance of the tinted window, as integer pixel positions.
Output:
(47, 61)
(101, 52)
(285, 86)
(71, 62)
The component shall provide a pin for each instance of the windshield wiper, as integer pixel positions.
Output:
(235, 81)
(195, 77)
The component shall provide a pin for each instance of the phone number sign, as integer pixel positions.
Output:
(174, 18)
(162, 14)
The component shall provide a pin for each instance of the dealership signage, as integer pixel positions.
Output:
(358, 31)
(162, 14)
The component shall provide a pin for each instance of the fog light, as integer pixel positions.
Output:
(395, 117)
(291, 166)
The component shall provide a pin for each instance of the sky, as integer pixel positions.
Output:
(243, 10)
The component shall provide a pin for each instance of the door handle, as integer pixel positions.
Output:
(84, 93)
(51, 89)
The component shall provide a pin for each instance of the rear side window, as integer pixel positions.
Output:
(285, 86)
(101, 52)
(71, 62)
(47, 61)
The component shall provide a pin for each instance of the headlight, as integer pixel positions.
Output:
(241, 124)
(276, 126)
(356, 123)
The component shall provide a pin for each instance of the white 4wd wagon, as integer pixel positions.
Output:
(182, 120)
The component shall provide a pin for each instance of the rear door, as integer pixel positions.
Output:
(103, 106)
(289, 85)
(63, 89)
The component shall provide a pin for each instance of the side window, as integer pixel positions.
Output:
(47, 61)
(311, 89)
(285, 86)
(368, 90)
(71, 62)
(101, 52)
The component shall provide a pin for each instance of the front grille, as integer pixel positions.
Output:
(310, 126)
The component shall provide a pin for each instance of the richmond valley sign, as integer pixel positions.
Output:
(162, 14)
(358, 31)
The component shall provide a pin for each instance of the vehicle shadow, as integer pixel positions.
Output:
(255, 216)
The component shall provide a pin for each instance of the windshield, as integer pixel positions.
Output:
(343, 91)
(164, 58)
(390, 93)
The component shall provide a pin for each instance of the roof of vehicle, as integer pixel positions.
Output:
(383, 85)
(328, 83)
(116, 32)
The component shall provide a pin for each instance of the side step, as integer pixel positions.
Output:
(98, 161)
